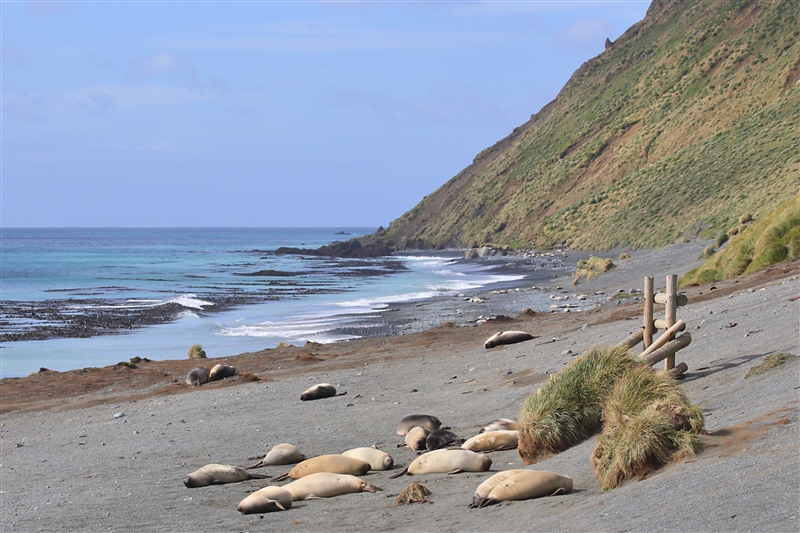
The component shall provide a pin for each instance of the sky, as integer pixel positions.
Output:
(269, 114)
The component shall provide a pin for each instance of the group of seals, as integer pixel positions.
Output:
(201, 374)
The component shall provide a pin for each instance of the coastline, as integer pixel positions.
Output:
(59, 437)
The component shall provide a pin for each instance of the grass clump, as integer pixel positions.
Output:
(623, 256)
(770, 361)
(197, 352)
(722, 238)
(771, 239)
(415, 492)
(567, 409)
(592, 267)
(647, 421)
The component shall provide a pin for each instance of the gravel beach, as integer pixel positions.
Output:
(107, 449)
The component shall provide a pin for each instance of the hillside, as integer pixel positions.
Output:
(687, 121)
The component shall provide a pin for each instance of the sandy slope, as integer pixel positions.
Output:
(67, 464)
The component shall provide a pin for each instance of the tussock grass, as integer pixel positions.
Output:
(771, 239)
(647, 421)
(415, 492)
(770, 361)
(197, 352)
(591, 268)
(567, 409)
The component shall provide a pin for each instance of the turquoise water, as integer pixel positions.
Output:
(83, 270)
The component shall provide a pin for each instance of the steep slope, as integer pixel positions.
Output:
(687, 121)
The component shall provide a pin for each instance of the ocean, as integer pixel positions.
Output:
(90, 297)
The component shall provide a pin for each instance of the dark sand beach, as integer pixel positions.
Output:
(107, 449)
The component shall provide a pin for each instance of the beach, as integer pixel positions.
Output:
(107, 449)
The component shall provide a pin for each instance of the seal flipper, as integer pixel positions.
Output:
(400, 473)
(369, 487)
(341, 393)
(258, 476)
(280, 477)
(456, 471)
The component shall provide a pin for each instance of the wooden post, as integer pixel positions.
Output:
(648, 312)
(680, 325)
(632, 340)
(671, 314)
(678, 371)
(667, 350)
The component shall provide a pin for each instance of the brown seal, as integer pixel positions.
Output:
(412, 421)
(221, 371)
(416, 438)
(493, 440)
(322, 390)
(333, 463)
(197, 377)
(377, 459)
(439, 439)
(280, 454)
(218, 475)
(327, 485)
(266, 500)
(451, 461)
(507, 337)
(520, 485)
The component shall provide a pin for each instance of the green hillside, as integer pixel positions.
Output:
(687, 121)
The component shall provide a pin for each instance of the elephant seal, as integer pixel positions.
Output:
(377, 459)
(412, 421)
(523, 485)
(221, 371)
(323, 390)
(327, 485)
(218, 475)
(486, 487)
(266, 500)
(493, 440)
(500, 424)
(451, 461)
(197, 377)
(335, 464)
(439, 439)
(416, 438)
(280, 454)
(507, 337)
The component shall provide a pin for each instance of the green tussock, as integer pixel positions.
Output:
(592, 267)
(567, 409)
(197, 352)
(647, 421)
(771, 239)
(770, 361)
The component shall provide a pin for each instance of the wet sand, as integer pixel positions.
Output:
(67, 463)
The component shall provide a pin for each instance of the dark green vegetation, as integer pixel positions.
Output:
(769, 240)
(197, 352)
(687, 121)
(647, 421)
(589, 268)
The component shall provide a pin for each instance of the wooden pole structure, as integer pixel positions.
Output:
(678, 371)
(671, 314)
(680, 325)
(632, 340)
(648, 312)
(667, 350)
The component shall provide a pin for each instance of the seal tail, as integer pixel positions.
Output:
(369, 487)
(280, 477)
(400, 473)
(258, 476)
(341, 393)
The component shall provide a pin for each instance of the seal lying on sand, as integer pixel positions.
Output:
(500, 424)
(439, 439)
(520, 485)
(266, 500)
(493, 440)
(327, 485)
(377, 459)
(412, 421)
(221, 371)
(451, 461)
(323, 390)
(280, 454)
(416, 438)
(336, 464)
(218, 475)
(507, 337)
(197, 377)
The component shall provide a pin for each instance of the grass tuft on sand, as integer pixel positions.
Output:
(770, 361)
(567, 409)
(197, 352)
(647, 422)
(589, 268)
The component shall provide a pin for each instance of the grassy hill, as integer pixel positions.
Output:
(686, 122)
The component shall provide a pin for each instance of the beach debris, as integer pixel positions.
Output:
(414, 493)
(566, 352)
(507, 337)
(119, 415)
(248, 377)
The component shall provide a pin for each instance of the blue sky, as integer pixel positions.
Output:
(269, 113)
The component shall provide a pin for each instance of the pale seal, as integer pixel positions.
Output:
(451, 461)
(416, 438)
(197, 377)
(377, 459)
(333, 463)
(266, 500)
(493, 440)
(507, 337)
(500, 424)
(522, 485)
(280, 454)
(412, 421)
(214, 474)
(221, 371)
(327, 485)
